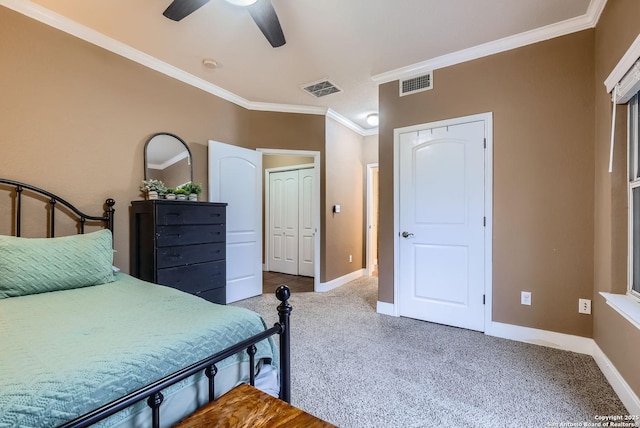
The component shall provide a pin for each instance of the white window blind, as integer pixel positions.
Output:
(629, 85)
(623, 83)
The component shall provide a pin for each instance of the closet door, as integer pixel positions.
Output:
(283, 206)
(305, 220)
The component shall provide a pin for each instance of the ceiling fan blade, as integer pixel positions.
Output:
(267, 20)
(181, 8)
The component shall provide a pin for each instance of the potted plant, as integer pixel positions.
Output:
(153, 188)
(192, 189)
(181, 194)
(171, 194)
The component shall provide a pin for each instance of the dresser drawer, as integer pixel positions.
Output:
(190, 213)
(217, 295)
(194, 278)
(189, 255)
(187, 235)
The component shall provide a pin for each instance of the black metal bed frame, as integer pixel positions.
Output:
(18, 187)
(152, 392)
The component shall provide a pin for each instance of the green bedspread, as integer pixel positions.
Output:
(65, 353)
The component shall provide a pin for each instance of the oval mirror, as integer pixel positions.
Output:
(167, 158)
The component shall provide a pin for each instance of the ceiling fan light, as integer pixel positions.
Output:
(373, 119)
(242, 2)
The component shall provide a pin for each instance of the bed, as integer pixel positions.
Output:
(84, 345)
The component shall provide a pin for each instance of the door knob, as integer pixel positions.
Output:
(406, 234)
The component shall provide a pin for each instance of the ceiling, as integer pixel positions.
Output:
(356, 44)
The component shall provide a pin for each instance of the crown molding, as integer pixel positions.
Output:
(595, 9)
(349, 124)
(62, 23)
(286, 108)
(370, 132)
(572, 25)
(175, 159)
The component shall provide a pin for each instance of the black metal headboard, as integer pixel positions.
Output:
(107, 218)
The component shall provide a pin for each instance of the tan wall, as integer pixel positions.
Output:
(542, 104)
(619, 340)
(278, 161)
(200, 154)
(345, 187)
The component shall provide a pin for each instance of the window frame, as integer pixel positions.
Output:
(633, 156)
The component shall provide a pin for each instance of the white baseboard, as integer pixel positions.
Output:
(619, 385)
(385, 308)
(567, 342)
(335, 283)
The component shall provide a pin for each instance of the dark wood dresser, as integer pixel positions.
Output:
(180, 244)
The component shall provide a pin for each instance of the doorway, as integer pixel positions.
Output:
(289, 220)
(291, 215)
(442, 176)
(372, 219)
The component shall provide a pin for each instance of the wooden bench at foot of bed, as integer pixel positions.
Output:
(246, 406)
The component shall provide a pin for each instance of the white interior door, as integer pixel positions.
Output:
(441, 247)
(306, 231)
(283, 218)
(235, 177)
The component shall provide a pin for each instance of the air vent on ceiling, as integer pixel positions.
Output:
(416, 84)
(321, 89)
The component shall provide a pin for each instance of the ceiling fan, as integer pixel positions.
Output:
(261, 11)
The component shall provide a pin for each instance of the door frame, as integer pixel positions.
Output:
(316, 201)
(267, 202)
(488, 203)
(370, 168)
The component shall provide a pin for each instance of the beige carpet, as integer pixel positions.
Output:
(356, 368)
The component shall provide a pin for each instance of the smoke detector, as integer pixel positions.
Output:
(210, 63)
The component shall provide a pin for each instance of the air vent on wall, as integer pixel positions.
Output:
(416, 84)
(321, 89)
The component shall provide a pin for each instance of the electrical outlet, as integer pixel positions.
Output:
(350, 258)
(584, 306)
(525, 298)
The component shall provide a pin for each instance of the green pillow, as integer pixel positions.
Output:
(38, 265)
